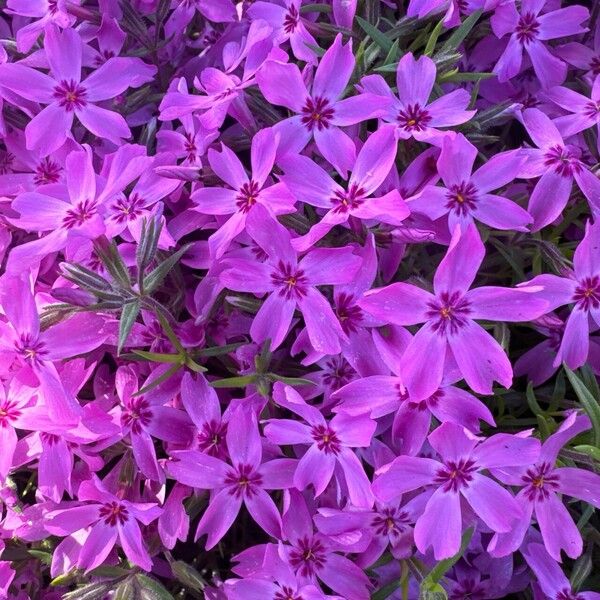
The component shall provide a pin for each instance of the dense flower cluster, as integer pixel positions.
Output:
(299, 301)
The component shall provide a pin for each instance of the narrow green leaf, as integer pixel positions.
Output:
(582, 569)
(589, 403)
(234, 382)
(42, 556)
(386, 591)
(91, 591)
(392, 55)
(152, 589)
(219, 350)
(84, 277)
(194, 366)
(291, 380)
(433, 38)
(377, 36)
(108, 253)
(158, 357)
(127, 590)
(146, 249)
(156, 382)
(457, 38)
(128, 317)
(156, 276)
(457, 77)
(592, 451)
(308, 8)
(188, 576)
(166, 326)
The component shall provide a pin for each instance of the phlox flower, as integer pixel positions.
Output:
(329, 444)
(290, 283)
(540, 483)
(244, 481)
(411, 111)
(105, 518)
(311, 184)
(67, 96)
(458, 475)
(449, 315)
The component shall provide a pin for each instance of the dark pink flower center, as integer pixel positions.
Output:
(562, 160)
(286, 593)
(30, 348)
(469, 589)
(346, 200)
(348, 313)
(455, 475)
(243, 481)
(290, 280)
(190, 147)
(137, 414)
(462, 198)
(70, 95)
(587, 293)
(47, 172)
(291, 20)
(390, 522)
(8, 412)
(211, 439)
(448, 312)
(247, 196)
(308, 556)
(52, 7)
(337, 373)
(413, 118)
(50, 439)
(127, 209)
(79, 214)
(317, 113)
(527, 29)
(595, 65)
(592, 110)
(540, 482)
(568, 594)
(6, 161)
(326, 439)
(113, 513)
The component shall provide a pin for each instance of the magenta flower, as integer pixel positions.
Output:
(72, 215)
(466, 196)
(580, 287)
(449, 315)
(67, 96)
(456, 475)
(311, 184)
(103, 518)
(290, 283)
(145, 417)
(411, 112)
(558, 164)
(34, 351)
(244, 481)
(319, 113)
(244, 192)
(550, 578)
(329, 444)
(540, 483)
(528, 31)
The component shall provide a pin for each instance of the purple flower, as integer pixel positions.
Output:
(319, 113)
(450, 331)
(245, 481)
(528, 31)
(540, 483)
(466, 196)
(311, 184)
(103, 518)
(329, 444)
(580, 287)
(67, 96)
(458, 475)
(290, 283)
(411, 112)
(244, 192)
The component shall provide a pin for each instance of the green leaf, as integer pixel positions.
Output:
(386, 591)
(592, 451)
(156, 382)
(220, 350)
(157, 357)
(108, 253)
(164, 323)
(457, 38)
(91, 591)
(434, 576)
(308, 8)
(156, 276)
(290, 380)
(128, 317)
(589, 403)
(234, 382)
(85, 278)
(432, 591)
(582, 569)
(377, 36)
(44, 557)
(457, 77)
(188, 576)
(146, 249)
(152, 589)
(433, 38)
(127, 590)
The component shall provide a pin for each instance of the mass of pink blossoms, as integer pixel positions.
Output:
(299, 300)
